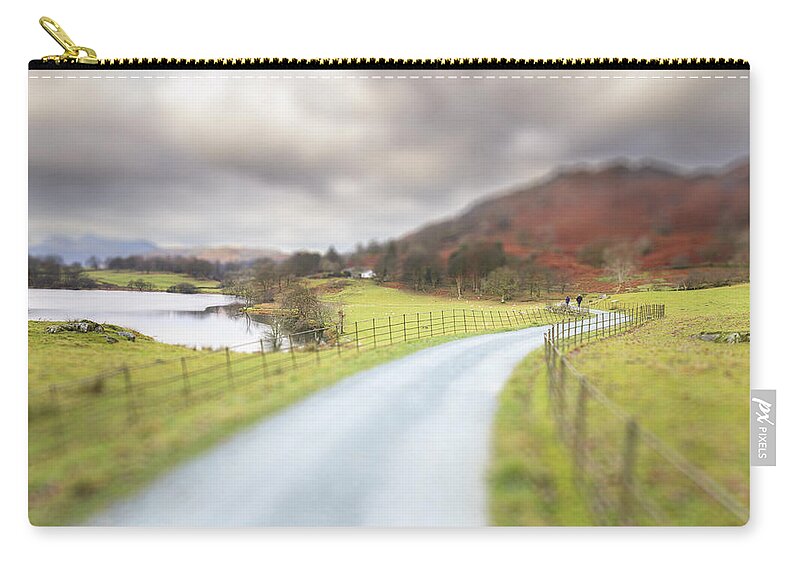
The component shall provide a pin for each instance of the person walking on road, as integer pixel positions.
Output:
(579, 299)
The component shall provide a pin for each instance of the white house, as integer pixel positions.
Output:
(368, 274)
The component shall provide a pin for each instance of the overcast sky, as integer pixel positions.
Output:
(240, 158)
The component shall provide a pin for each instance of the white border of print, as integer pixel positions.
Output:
(417, 29)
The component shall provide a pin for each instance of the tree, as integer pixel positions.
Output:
(620, 262)
(533, 277)
(278, 332)
(245, 288)
(186, 288)
(93, 262)
(422, 270)
(482, 258)
(265, 275)
(304, 310)
(387, 264)
(502, 282)
(51, 273)
(141, 285)
(302, 263)
(474, 262)
(332, 261)
(457, 267)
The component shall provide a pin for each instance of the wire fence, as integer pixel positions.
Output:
(80, 413)
(625, 473)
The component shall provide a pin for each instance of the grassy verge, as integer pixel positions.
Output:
(93, 441)
(530, 482)
(691, 394)
(363, 299)
(160, 281)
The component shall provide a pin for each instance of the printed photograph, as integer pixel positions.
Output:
(388, 297)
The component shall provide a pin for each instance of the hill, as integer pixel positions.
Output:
(222, 254)
(671, 219)
(79, 249)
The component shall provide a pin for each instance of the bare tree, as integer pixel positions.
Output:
(245, 289)
(141, 285)
(503, 282)
(305, 310)
(278, 331)
(265, 276)
(620, 261)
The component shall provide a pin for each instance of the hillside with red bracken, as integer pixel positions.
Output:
(671, 219)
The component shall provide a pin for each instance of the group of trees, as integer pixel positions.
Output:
(481, 268)
(302, 311)
(199, 268)
(264, 278)
(471, 264)
(52, 273)
(142, 285)
(304, 263)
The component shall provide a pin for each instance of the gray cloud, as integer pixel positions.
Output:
(303, 163)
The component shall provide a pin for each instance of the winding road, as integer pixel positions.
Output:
(405, 444)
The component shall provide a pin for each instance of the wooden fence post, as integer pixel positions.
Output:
(186, 386)
(560, 392)
(358, 348)
(374, 334)
(405, 338)
(580, 430)
(391, 340)
(627, 490)
(291, 347)
(228, 366)
(126, 374)
(264, 359)
(575, 333)
(57, 407)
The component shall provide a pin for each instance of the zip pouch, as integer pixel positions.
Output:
(387, 293)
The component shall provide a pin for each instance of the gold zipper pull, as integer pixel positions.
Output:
(72, 53)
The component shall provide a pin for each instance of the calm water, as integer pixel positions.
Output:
(191, 320)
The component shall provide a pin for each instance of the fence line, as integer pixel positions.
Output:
(109, 403)
(588, 421)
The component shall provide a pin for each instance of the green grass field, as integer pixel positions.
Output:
(86, 448)
(691, 394)
(161, 281)
(103, 454)
(363, 299)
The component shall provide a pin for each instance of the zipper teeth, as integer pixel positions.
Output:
(442, 63)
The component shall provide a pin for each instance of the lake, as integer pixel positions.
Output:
(196, 321)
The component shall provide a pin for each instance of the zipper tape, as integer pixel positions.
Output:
(79, 57)
(389, 63)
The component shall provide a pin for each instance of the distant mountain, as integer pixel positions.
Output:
(673, 219)
(79, 249)
(220, 254)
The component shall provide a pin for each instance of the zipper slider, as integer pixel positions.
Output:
(72, 52)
